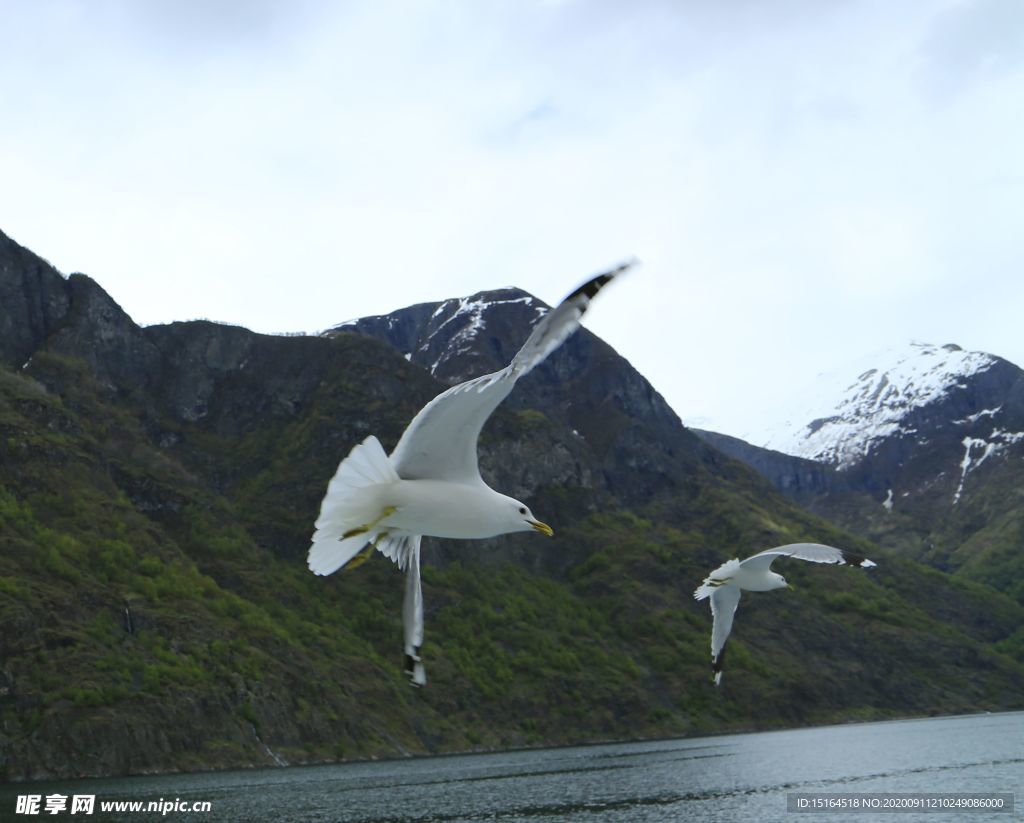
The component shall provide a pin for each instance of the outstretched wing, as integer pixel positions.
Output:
(724, 601)
(814, 552)
(440, 442)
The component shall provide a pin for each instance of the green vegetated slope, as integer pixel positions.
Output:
(980, 537)
(157, 613)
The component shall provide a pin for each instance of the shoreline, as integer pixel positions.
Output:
(498, 751)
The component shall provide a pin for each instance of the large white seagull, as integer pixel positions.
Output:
(431, 484)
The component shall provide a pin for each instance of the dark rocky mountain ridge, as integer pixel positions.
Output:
(797, 477)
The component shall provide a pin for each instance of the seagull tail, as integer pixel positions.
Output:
(715, 579)
(703, 591)
(326, 556)
(351, 509)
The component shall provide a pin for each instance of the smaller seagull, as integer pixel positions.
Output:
(754, 574)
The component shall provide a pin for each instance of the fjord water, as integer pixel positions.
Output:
(728, 778)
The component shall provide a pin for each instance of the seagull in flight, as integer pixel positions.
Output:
(724, 584)
(431, 484)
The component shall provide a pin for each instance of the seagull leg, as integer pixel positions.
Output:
(386, 513)
(363, 556)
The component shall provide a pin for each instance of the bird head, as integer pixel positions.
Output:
(522, 519)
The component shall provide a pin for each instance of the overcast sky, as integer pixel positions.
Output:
(804, 180)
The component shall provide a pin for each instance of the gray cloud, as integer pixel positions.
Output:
(970, 42)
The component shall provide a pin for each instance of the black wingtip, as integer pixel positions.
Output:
(716, 666)
(414, 669)
(598, 282)
(857, 560)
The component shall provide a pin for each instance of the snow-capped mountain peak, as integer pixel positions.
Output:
(844, 414)
(457, 338)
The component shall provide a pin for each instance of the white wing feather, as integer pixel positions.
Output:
(440, 442)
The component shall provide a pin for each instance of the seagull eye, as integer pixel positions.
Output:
(522, 509)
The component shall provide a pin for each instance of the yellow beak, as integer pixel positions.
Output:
(543, 528)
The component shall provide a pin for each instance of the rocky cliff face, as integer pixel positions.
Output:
(34, 299)
(797, 477)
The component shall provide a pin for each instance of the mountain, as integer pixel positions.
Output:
(586, 389)
(800, 478)
(158, 487)
(920, 448)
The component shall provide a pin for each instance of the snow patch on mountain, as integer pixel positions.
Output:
(470, 314)
(974, 418)
(978, 449)
(837, 420)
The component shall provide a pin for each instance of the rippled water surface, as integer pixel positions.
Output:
(728, 778)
